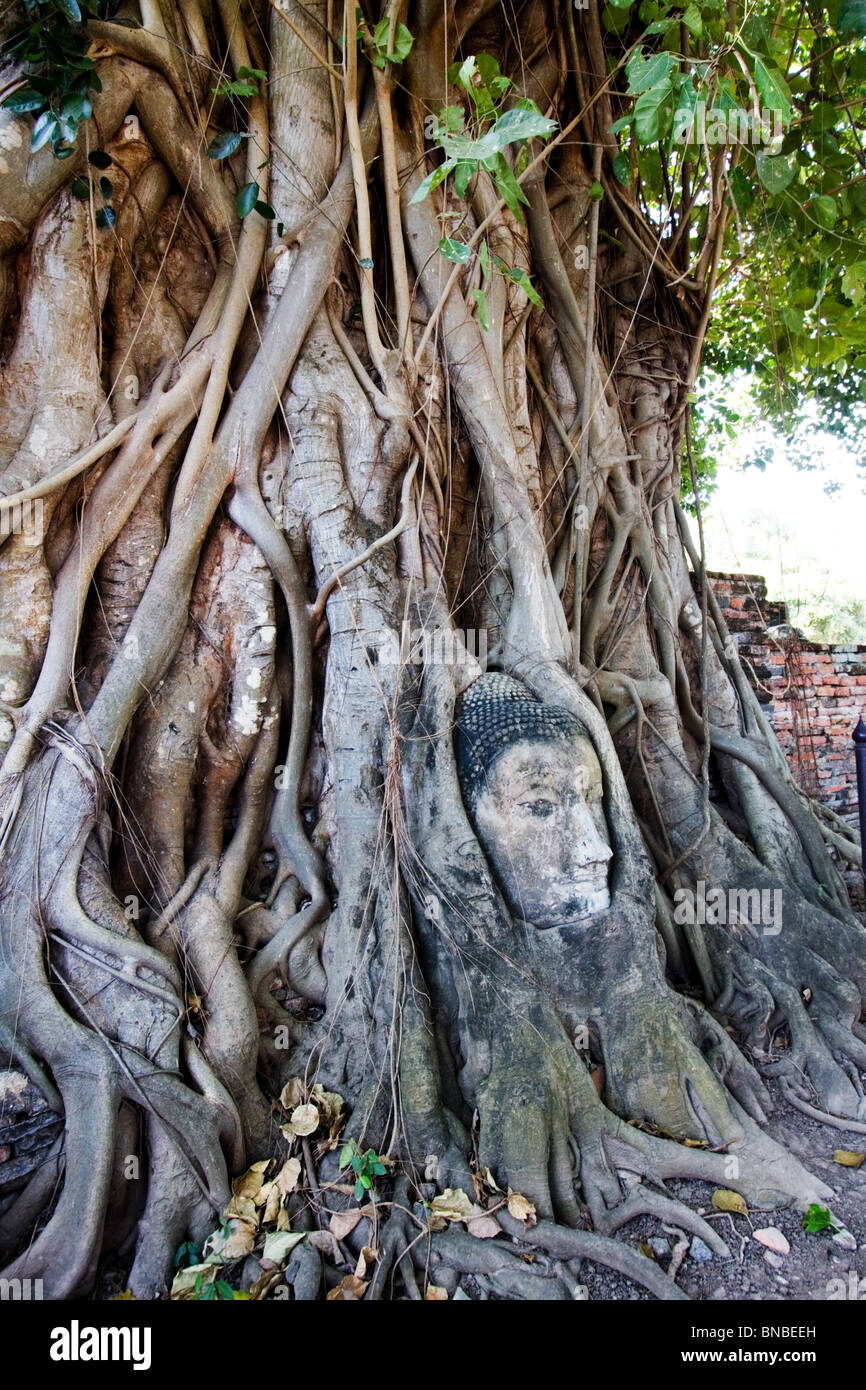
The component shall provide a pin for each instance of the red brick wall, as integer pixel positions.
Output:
(812, 692)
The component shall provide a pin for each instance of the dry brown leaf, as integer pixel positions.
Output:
(849, 1158)
(251, 1181)
(342, 1223)
(264, 1192)
(366, 1260)
(244, 1208)
(521, 1208)
(272, 1206)
(434, 1293)
(305, 1120)
(287, 1177)
(283, 1222)
(491, 1181)
(646, 1250)
(436, 1223)
(324, 1242)
(293, 1093)
(349, 1290)
(328, 1102)
(452, 1204)
(725, 1200)
(484, 1227)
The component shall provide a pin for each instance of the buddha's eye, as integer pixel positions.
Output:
(541, 808)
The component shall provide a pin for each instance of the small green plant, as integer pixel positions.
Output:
(366, 1166)
(186, 1255)
(53, 44)
(218, 1289)
(479, 142)
(226, 142)
(818, 1219)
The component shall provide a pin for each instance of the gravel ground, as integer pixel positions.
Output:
(815, 1261)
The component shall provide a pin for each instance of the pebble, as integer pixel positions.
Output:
(775, 1261)
(699, 1251)
(845, 1239)
(660, 1247)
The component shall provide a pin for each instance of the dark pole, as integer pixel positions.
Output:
(859, 737)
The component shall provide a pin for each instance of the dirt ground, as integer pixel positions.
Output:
(816, 1263)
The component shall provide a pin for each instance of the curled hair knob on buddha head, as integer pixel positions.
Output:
(532, 786)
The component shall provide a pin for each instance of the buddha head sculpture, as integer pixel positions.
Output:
(532, 786)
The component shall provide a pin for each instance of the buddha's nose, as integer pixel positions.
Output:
(583, 844)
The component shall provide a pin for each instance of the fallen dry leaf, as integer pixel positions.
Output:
(251, 1181)
(342, 1223)
(452, 1205)
(349, 1290)
(305, 1120)
(287, 1177)
(725, 1200)
(366, 1260)
(434, 1293)
(491, 1181)
(272, 1206)
(773, 1239)
(325, 1242)
(293, 1093)
(280, 1244)
(283, 1223)
(849, 1158)
(521, 1208)
(484, 1227)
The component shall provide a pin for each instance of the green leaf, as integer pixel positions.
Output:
(106, 187)
(223, 1290)
(481, 300)
(266, 211)
(596, 190)
(366, 263)
(517, 124)
(25, 99)
(462, 176)
(44, 129)
(817, 1219)
(247, 199)
(851, 18)
(519, 277)
(357, 1163)
(455, 251)
(106, 217)
(645, 73)
(70, 9)
(622, 169)
(508, 188)
(224, 143)
(654, 114)
(99, 159)
(360, 1190)
(692, 20)
(403, 42)
(824, 209)
(252, 72)
(440, 173)
(365, 1182)
(80, 189)
(773, 88)
(484, 260)
(346, 1155)
(775, 170)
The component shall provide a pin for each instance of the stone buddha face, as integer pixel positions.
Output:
(533, 787)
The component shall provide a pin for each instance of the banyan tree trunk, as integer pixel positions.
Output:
(289, 487)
